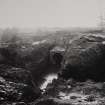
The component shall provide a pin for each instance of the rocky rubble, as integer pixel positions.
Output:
(16, 86)
(15, 92)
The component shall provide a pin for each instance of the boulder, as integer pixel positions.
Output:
(85, 58)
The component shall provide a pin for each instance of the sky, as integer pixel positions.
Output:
(50, 13)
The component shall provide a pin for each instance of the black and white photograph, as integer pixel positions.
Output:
(52, 52)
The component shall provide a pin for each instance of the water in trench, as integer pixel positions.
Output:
(48, 79)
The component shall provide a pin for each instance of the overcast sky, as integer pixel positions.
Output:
(50, 13)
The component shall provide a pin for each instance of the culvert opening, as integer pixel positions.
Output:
(57, 58)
